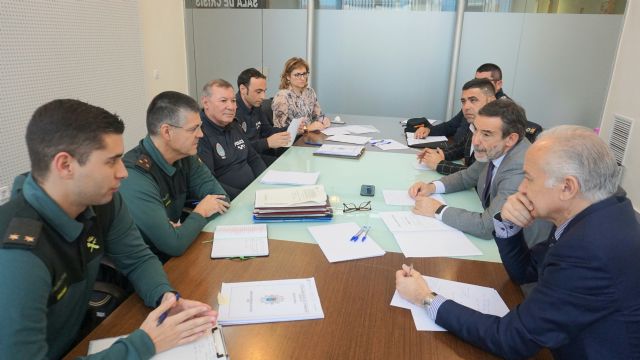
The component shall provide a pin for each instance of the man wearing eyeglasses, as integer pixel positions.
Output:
(457, 126)
(165, 173)
(224, 148)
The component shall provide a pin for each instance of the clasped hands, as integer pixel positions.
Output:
(430, 157)
(425, 205)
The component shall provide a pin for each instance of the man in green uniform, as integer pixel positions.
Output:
(164, 172)
(64, 217)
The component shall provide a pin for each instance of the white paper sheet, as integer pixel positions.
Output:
(388, 144)
(299, 196)
(421, 167)
(269, 301)
(411, 140)
(335, 130)
(275, 177)
(202, 349)
(361, 129)
(334, 240)
(240, 240)
(340, 150)
(293, 130)
(435, 243)
(407, 221)
(350, 139)
(480, 298)
(398, 198)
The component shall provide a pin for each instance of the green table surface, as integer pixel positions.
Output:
(342, 179)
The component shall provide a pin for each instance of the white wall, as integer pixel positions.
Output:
(163, 40)
(624, 93)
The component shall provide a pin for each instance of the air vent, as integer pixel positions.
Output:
(620, 137)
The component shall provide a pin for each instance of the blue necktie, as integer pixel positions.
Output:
(487, 186)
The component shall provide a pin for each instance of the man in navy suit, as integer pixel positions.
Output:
(587, 301)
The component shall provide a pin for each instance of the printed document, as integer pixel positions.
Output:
(388, 144)
(335, 242)
(298, 196)
(423, 236)
(340, 150)
(411, 140)
(269, 301)
(240, 240)
(275, 177)
(202, 349)
(293, 130)
(480, 298)
(351, 139)
(402, 198)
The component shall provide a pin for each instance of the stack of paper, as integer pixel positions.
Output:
(240, 240)
(348, 151)
(304, 203)
(275, 177)
(269, 301)
(387, 144)
(336, 244)
(484, 299)
(350, 129)
(350, 139)
(429, 141)
(422, 236)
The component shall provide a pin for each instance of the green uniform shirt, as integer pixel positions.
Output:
(143, 198)
(30, 329)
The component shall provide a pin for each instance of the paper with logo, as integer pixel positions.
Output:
(270, 301)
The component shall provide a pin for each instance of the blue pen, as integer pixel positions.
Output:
(164, 315)
(357, 235)
(364, 236)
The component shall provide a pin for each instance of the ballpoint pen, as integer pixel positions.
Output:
(364, 236)
(357, 235)
(164, 315)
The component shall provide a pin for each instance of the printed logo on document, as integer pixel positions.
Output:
(220, 151)
(272, 299)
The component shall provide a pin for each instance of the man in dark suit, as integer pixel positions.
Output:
(456, 126)
(587, 302)
(475, 94)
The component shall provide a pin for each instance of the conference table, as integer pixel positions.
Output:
(359, 322)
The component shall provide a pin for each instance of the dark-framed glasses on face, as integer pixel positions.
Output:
(190, 130)
(351, 207)
(301, 75)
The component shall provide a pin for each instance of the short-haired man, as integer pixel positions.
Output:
(456, 126)
(224, 148)
(587, 301)
(499, 146)
(165, 173)
(252, 88)
(475, 94)
(66, 215)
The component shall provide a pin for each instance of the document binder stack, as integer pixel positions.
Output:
(302, 203)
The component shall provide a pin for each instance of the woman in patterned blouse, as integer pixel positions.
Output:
(296, 99)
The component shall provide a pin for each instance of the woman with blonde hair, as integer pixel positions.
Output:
(296, 99)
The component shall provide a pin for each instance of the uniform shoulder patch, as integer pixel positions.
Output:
(144, 162)
(22, 232)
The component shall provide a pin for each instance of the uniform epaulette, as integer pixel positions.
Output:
(144, 162)
(22, 232)
(530, 130)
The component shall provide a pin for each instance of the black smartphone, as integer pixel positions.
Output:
(367, 190)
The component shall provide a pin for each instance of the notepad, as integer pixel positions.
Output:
(208, 347)
(275, 177)
(429, 141)
(240, 240)
(351, 139)
(347, 151)
(269, 301)
(334, 240)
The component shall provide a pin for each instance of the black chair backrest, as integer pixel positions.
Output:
(266, 109)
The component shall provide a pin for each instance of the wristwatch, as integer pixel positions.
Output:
(440, 208)
(428, 300)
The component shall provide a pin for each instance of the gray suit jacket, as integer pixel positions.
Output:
(505, 182)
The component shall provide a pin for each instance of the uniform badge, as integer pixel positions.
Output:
(220, 151)
(92, 243)
(244, 126)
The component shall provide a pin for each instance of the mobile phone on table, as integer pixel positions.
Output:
(367, 190)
